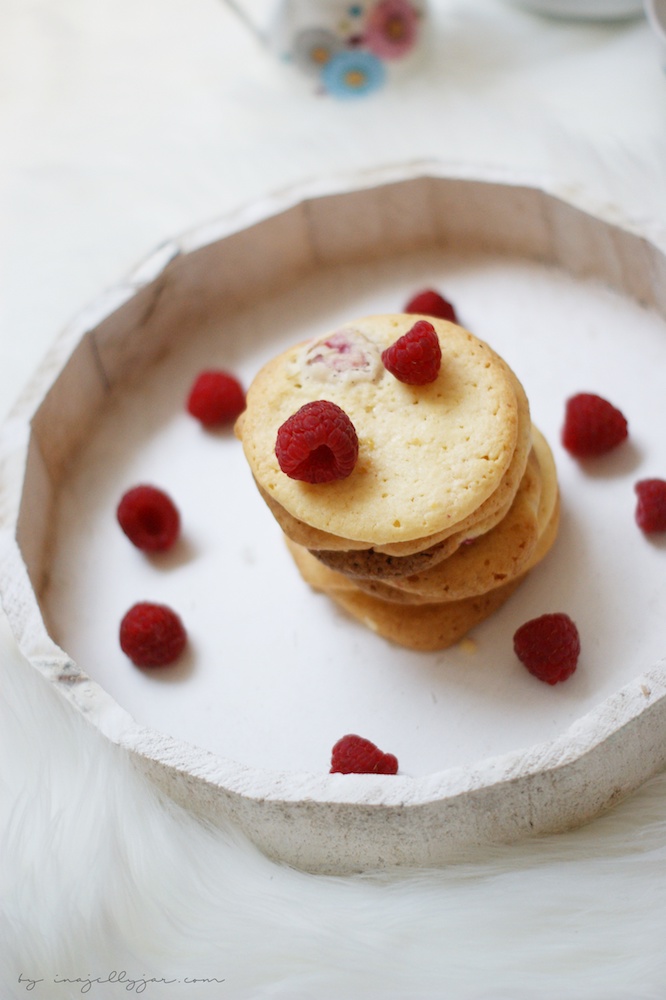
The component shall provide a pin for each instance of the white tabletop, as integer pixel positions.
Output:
(125, 124)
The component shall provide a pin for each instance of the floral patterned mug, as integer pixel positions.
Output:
(348, 49)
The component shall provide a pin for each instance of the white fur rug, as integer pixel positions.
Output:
(108, 890)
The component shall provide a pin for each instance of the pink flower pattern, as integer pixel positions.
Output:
(391, 29)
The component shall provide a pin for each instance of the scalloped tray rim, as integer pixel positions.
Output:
(644, 697)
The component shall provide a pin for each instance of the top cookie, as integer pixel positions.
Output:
(428, 455)
(486, 515)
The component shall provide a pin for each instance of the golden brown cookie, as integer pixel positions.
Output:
(549, 502)
(479, 564)
(478, 522)
(429, 456)
(514, 545)
(423, 627)
(549, 499)
(373, 565)
(318, 576)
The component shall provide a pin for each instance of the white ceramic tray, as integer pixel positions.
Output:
(243, 727)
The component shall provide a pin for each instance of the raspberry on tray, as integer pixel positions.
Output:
(431, 303)
(216, 398)
(149, 518)
(356, 755)
(152, 635)
(651, 505)
(592, 426)
(549, 646)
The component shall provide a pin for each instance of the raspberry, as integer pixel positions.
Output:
(152, 635)
(356, 755)
(548, 646)
(149, 518)
(592, 426)
(431, 303)
(416, 357)
(216, 398)
(317, 444)
(651, 505)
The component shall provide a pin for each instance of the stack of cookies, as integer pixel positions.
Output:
(452, 499)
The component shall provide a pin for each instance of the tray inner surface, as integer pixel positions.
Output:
(275, 673)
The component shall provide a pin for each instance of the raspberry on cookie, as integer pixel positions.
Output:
(317, 444)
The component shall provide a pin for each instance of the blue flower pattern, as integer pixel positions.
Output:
(350, 74)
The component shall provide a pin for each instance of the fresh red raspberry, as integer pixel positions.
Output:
(356, 755)
(651, 505)
(317, 444)
(431, 303)
(548, 646)
(152, 635)
(592, 426)
(149, 518)
(216, 398)
(416, 357)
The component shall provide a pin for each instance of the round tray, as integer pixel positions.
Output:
(242, 729)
